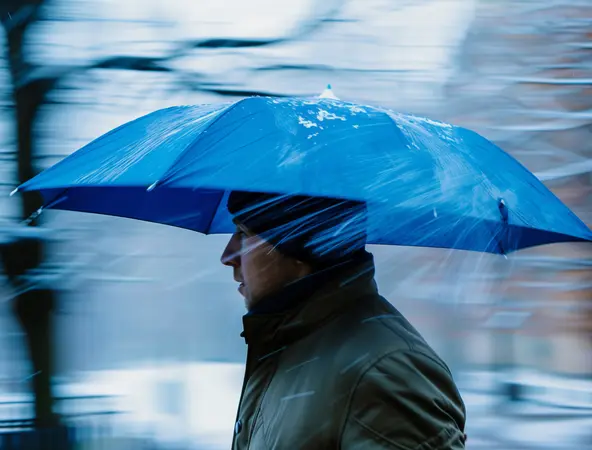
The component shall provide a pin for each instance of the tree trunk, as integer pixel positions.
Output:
(33, 306)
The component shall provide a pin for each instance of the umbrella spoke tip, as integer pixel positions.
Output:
(13, 192)
(152, 186)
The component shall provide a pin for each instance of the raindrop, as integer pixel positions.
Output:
(302, 394)
(297, 366)
(13, 192)
(353, 363)
(32, 375)
(273, 353)
(152, 186)
(381, 316)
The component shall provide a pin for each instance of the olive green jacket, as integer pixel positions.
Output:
(343, 369)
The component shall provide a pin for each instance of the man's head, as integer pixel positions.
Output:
(280, 239)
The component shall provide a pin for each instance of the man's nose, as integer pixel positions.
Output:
(231, 254)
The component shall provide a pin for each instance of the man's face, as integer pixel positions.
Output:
(258, 267)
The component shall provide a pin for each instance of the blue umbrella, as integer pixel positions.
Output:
(426, 183)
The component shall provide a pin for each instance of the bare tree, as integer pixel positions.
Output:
(33, 307)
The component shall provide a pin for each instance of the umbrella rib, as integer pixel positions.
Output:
(181, 177)
(218, 203)
(166, 175)
(172, 172)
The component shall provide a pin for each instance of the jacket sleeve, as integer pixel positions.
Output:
(405, 401)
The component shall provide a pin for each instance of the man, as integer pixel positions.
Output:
(330, 364)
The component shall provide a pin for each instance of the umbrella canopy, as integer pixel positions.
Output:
(426, 183)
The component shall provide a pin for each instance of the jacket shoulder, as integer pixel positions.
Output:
(402, 392)
(378, 325)
(405, 400)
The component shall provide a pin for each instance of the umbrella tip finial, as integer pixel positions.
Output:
(328, 93)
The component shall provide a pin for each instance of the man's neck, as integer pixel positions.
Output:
(303, 288)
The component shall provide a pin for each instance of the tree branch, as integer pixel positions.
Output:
(140, 63)
(305, 28)
(549, 81)
(239, 92)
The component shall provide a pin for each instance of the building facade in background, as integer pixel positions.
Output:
(525, 80)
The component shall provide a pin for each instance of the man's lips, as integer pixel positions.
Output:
(241, 283)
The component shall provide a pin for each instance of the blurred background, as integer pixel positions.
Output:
(136, 326)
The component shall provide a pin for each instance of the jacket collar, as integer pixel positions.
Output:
(303, 306)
